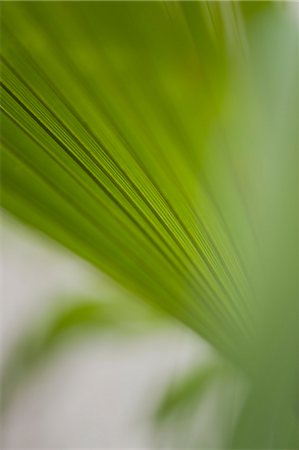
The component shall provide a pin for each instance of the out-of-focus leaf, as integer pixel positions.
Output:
(200, 408)
(66, 324)
(185, 394)
(268, 418)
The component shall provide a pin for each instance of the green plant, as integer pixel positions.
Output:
(158, 142)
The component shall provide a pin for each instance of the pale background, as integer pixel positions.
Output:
(99, 392)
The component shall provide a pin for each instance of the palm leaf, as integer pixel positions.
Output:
(103, 148)
(156, 140)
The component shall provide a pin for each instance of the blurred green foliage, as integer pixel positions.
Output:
(66, 322)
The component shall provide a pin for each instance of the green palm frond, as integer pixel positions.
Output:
(158, 142)
(107, 116)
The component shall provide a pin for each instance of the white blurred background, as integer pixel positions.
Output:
(98, 392)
